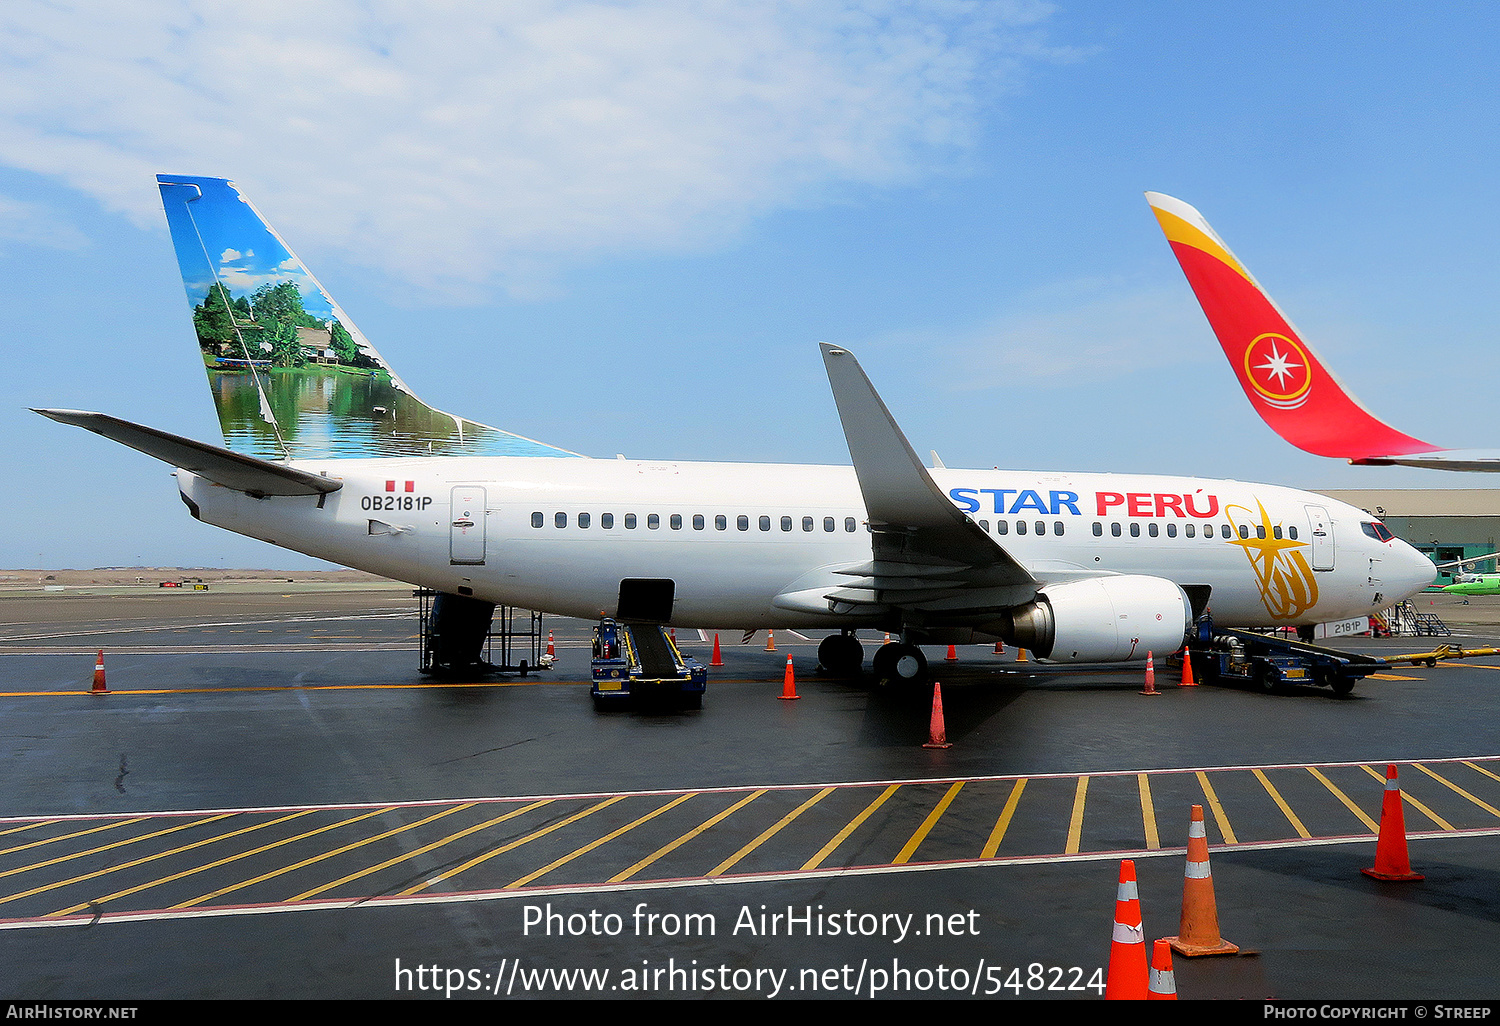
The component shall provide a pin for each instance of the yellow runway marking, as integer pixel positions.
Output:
(1410, 800)
(1148, 811)
(1454, 787)
(29, 826)
(729, 863)
(1392, 676)
(276, 844)
(1481, 769)
(186, 872)
(853, 825)
(408, 856)
(1003, 823)
(523, 881)
(667, 849)
(1281, 803)
(1218, 810)
(323, 855)
(449, 874)
(117, 844)
(1348, 802)
(1075, 822)
(64, 837)
(910, 847)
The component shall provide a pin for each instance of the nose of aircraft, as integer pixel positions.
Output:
(1408, 570)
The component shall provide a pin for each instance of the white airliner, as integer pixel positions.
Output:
(330, 454)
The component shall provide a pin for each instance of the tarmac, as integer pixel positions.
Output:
(271, 801)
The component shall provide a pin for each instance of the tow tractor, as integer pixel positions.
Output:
(1272, 663)
(640, 661)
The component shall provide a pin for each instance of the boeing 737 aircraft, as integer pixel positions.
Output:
(1288, 384)
(329, 453)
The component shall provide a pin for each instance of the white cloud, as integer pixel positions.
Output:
(1082, 331)
(456, 145)
(36, 225)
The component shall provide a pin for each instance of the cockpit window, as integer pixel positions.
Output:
(1377, 531)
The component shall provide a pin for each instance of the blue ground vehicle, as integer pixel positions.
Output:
(639, 661)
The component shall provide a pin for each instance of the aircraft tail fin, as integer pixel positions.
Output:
(1287, 383)
(290, 373)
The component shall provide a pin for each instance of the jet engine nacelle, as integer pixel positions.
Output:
(1103, 619)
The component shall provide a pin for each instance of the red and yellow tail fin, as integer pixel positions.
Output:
(1290, 387)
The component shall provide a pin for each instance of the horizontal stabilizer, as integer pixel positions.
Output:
(246, 474)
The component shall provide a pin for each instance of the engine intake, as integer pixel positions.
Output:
(1102, 619)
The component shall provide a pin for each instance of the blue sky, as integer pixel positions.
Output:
(565, 218)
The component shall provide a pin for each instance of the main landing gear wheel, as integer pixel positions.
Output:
(841, 655)
(900, 663)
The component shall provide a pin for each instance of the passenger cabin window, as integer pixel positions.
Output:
(1225, 531)
(742, 522)
(828, 524)
(607, 521)
(985, 525)
(1002, 526)
(851, 525)
(560, 520)
(1020, 527)
(630, 521)
(653, 521)
(537, 520)
(697, 521)
(1244, 530)
(1276, 531)
(1188, 531)
(1260, 531)
(786, 523)
(721, 523)
(1057, 528)
(1152, 529)
(1098, 529)
(1291, 532)
(1114, 530)
(807, 523)
(1135, 530)
(676, 521)
(764, 523)
(583, 520)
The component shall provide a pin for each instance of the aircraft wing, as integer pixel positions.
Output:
(1287, 383)
(929, 556)
(243, 473)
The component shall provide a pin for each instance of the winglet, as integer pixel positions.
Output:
(1287, 383)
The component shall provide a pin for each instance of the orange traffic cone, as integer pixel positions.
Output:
(1163, 985)
(1150, 688)
(1187, 669)
(718, 659)
(672, 633)
(999, 648)
(770, 640)
(1391, 860)
(1127, 951)
(937, 733)
(1198, 931)
(551, 648)
(789, 683)
(887, 640)
(952, 653)
(1020, 655)
(99, 688)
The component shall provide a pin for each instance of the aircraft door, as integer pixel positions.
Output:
(466, 530)
(1322, 538)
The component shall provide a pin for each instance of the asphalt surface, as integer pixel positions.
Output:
(272, 802)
